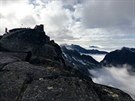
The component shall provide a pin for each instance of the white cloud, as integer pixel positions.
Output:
(118, 77)
(5, 2)
(13, 12)
(28, 20)
(108, 13)
(54, 16)
(84, 22)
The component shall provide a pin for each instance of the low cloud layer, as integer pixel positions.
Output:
(118, 77)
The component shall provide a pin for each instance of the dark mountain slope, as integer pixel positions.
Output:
(80, 62)
(120, 57)
(83, 50)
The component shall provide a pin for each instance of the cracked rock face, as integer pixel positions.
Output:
(26, 82)
(21, 81)
(60, 89)
(14, 78)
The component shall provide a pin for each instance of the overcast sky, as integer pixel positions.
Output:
(105, 23)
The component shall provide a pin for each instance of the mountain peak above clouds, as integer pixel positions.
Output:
(83, 50)
(120, 57)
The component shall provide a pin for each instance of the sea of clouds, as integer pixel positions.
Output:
(119, 77)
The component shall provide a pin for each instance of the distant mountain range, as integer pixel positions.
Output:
(79, 58)
(79, 61)
(83, 50)
(94, 47)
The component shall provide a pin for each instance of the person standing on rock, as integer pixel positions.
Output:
(6, 30)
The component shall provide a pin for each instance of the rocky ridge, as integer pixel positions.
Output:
(33, 68)
(83, 50)
(120, 57)
(79, 61)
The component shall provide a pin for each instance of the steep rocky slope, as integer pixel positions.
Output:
(79, 61)
(32, 68)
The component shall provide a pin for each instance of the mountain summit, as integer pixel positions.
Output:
(33, 68)
(120, 57)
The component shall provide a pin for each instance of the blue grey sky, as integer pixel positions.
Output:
(109, 24)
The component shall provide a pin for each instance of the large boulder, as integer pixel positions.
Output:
(21, 81)
(45, 50)
(106, 93)
(6, 59)
(19, 55)
(14, 78)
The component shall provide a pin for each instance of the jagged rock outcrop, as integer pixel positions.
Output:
(120, 57)
(23, 40)
(26, 75)
(32, 41)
